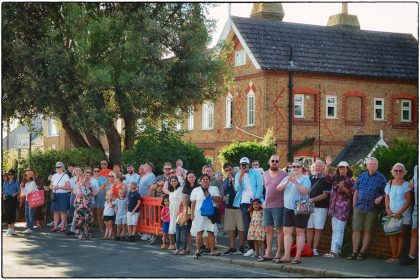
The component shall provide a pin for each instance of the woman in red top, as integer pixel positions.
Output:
(119, 184)
(104, 168)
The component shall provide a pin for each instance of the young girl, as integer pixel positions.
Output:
(182, 218)
(166, 219)
(109, 214)
(121, 214)
(256, 231)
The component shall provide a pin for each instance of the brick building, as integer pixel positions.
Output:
(345, 82)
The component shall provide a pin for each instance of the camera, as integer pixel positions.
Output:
(290, 171)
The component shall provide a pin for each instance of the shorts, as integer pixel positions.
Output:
(415, 219)
(292, 220)
(108, 218)
(233, 220)
(61, 203)
(317, 218)
(364, 220)
(165, 227)
(132, 218)
(273, 217)
(121, 219)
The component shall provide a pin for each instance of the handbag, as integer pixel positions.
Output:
(305, 206)
(207, 209)
(306, 251)
(53, 195)
(392, 225)
(36, 199)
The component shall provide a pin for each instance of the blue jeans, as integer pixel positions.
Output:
(29, 216)
(246, 218)
(181, 235)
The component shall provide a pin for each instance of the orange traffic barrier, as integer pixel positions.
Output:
(149, 220)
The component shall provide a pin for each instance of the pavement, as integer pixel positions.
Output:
(309, 267)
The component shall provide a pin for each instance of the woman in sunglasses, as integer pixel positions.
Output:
(10, 194)
(295, 187)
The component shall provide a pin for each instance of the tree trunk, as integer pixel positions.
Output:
(130, 132)
(114, 140)
(128, 117)
(75, 136)
(94, 142)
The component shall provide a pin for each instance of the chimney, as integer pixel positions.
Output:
(344, 20)
(267, 11)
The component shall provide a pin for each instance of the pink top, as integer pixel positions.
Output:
(163, 212)
(273, 198)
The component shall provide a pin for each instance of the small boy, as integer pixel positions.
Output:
(121, 204)
(133, 211)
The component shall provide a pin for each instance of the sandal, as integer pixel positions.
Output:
(295, 261)
(215, 254)
(163, 247)
(172, 247)
(187, 252)
(182, 252)
(391, 260)
(282, 261)
(353, 256)
(330, 255)
(264, 259)
(361, 256)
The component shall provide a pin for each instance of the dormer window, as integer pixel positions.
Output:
(240, 58)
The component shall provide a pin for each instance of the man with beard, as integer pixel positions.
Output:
(273, 207)
(131, 176)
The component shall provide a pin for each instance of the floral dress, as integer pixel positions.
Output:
(340, 203)
(256, 231)
(84, 213)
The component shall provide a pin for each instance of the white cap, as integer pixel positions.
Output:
(244, 160)
(343, 163)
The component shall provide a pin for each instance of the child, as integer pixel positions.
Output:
(183, 216)
(166, 219)
(156, 190)
(256, 231)
(133, 211)
(109, 215)
(121, 214)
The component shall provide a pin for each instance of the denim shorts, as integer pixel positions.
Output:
(61, 203)
(165, 227)
(273, 217)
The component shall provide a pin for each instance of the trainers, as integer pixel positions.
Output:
(409, 261)
(9, 231)
(315, 252)
(13, 231)
(250, 253)
(230, 251)
(143, 237)
(152, 240)
(28, 231)
(242, 249)
(54, 229)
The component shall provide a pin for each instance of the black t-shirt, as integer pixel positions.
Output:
(229, 192)
(321, 187)
(133, 197)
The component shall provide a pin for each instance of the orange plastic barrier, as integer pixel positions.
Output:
(149, 220)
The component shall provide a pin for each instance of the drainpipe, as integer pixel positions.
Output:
(289, 142)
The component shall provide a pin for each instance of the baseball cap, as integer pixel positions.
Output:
(343, 163)
(244, 160)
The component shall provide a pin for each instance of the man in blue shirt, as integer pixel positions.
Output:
(131, 176)
(369, 192)
(249, 186)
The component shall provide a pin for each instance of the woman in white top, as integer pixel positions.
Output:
(174, 191)
(203, 223)
(29, 187)
(60, 185)
(397, 203)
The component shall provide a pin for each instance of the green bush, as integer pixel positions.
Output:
(43, 161)
(164, 145)
(400, 150)
(254, 151)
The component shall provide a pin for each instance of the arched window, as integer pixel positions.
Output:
(250, 109)
(229, 111)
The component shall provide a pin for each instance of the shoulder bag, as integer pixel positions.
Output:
(207, 209)
(53, 196)
(305, 206)
(391, 225)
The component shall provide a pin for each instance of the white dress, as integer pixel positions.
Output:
(174, 200)
(201, 223)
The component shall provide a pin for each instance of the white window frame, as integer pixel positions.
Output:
(229, 111)
(250, 108)
(406, 109)
(240, 58)
(178, 124)
(329, 105)
(379, 107)
(191, 118)
(52, 128)
(301, 104)
(207, 116)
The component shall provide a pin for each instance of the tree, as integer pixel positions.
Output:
(89, 63)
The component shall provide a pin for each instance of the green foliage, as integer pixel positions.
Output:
(43, 161)
(254, 151)
(305, 143)
(164, 145)
(400, 150)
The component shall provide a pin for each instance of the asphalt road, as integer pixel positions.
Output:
(53, 255)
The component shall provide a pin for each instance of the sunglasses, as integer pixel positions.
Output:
(274, 161)
(296, 166)
(228, 170)
(167, 168)
(111, 176)
(58, 167)
(399, 170)
(11, 174)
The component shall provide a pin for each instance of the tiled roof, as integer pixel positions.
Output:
(356, 149)
(324, 49)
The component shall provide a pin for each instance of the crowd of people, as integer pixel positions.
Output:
(250, 203)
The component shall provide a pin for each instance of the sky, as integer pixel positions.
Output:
(400, 17)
